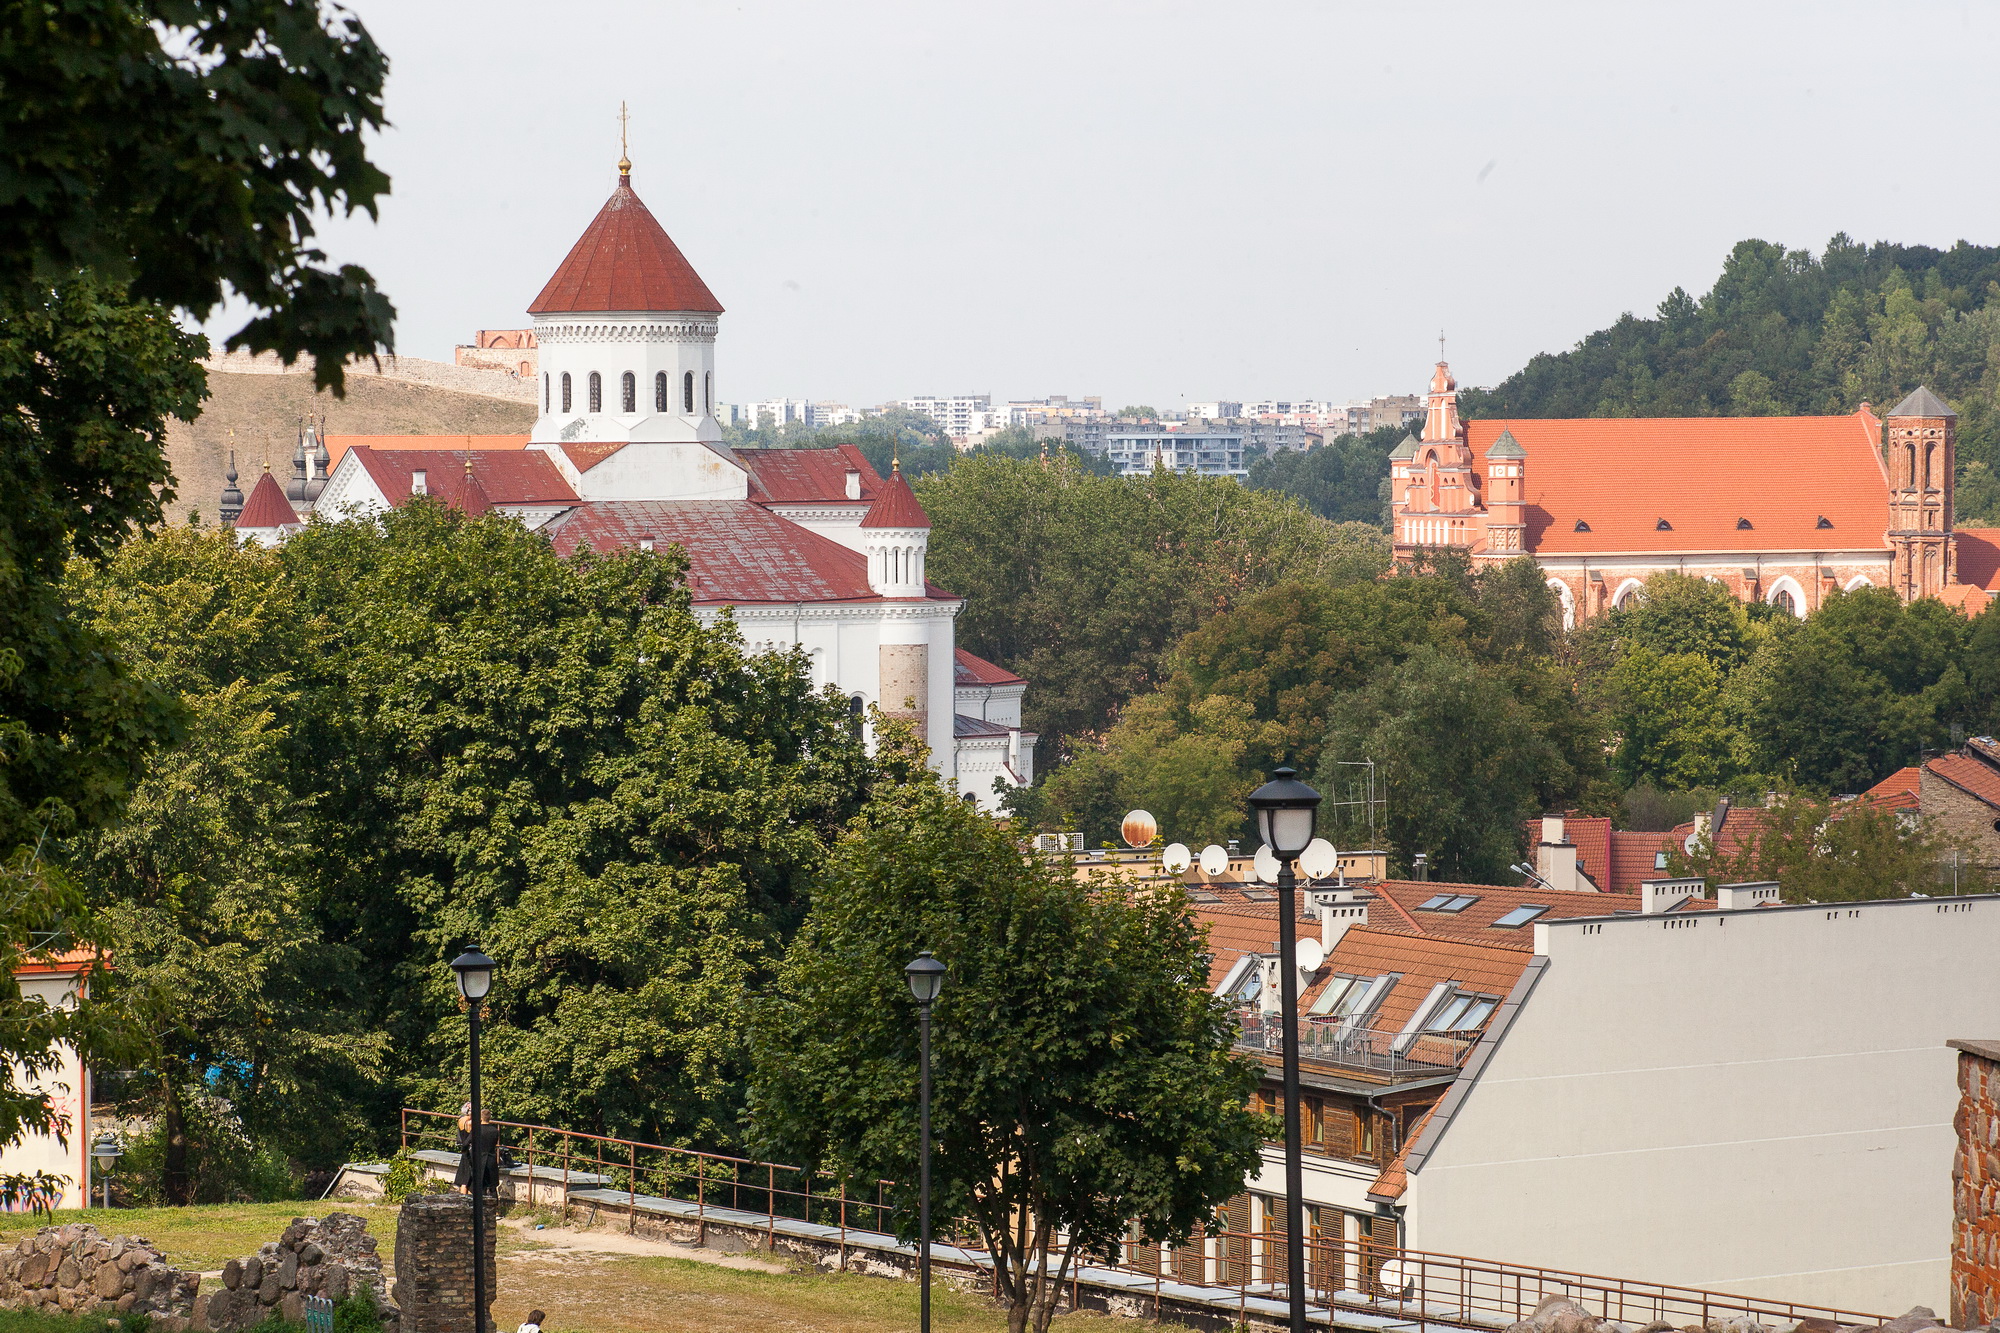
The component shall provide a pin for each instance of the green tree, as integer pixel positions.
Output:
(1839, 851)
(1084, 1077)
(1343, 480)
(1672, 728)
(1139, 412)
(1189, 766)
(1679, 614)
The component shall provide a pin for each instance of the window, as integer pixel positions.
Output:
(1663, 526)
(687, 392)
(1521, 915)
(1461, 1013)
(1824, 522)
(596, 392)
(630, 393)
(1782, 599)
(660, 392)
(1743, 525)
(545, 391)
(1448, 902)
(1582, 526)
(1364, 1134)
(1659, 860)
(1340, 996)
(708, 391)
(565, 391)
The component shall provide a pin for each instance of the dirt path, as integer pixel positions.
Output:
(552, 1242)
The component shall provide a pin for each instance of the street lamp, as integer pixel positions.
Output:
(926, 977)
(1285, 810)
(472, 972)
(104, 1152)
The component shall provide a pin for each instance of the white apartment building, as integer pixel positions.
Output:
(801, 411)
(1137, 451)
(1217, 411)
(958, 416)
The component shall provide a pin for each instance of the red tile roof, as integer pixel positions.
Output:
(969, 670)
(338, 445)
(1979, 558)
(1494, 902)
(738, 551)
(1395, 1177)
(897, 507)
(1622, 475)
(807, 476)
(505, 476)
(1615, 859)
(1974, 776)
(584, 457)
(267, 506)
(1634, 856)
(1364, 951)
(1898, 791)
(624, 261)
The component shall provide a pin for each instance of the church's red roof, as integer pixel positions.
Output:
(897, 507)
(970, 670)
(1979, 557)
(1622, 475)
(504, 476)
(807, 476)
(625, 261)
(738, 551)
(267, 506)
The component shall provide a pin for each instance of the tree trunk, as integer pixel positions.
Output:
(174, 1184)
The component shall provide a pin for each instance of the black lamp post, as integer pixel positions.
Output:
(926, 977)
(473, 972)
(1285, 809)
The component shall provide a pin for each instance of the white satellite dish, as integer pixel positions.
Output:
(1214, 860)
(1309, 954)
(1318, 860)
(1175, 858)
(1266, 865)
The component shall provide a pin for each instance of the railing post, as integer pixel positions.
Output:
(632, 1193)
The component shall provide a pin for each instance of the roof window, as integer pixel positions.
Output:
(1663, 526)
(1582, 526)
(1824, 522)
(1461, 1013)
(1743, 525)
(1340, 996)
(1521, 915)
(1448, 902)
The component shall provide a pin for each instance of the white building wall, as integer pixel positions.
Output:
(1756, 1102)
(674, 344)
(69, 1088)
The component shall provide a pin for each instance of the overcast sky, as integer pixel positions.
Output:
(1163, 203)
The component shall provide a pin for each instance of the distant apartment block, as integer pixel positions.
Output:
(1217, 411)
(959, 416)
(1138, 450)
(806, 412)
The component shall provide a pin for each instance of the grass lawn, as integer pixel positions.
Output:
(201, 1239)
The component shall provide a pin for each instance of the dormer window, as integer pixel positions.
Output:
(419, 482)
(1743, 525)
(645, 543)
(1824, 522)
(1663, 526)
(1582, 526)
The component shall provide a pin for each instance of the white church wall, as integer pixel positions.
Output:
(676, 345)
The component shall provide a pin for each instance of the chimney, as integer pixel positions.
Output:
(854, 483)
(1733, 897)
(1664, 895)
(1339, 911)
(419, 482)
(1420, 868)
(1555, 860)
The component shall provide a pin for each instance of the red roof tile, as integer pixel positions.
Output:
(1364, 951)
(624, 261)
(1979, 558)
(897, 507)
(1968, 774)
(1898, 791)
(1622, 475)
(807, 476)
(969, 670)
(338, 445)
(1493, 902)
(738, 551)
(1395, 1177)
(1634, 856)
(505, 476)
(267, 506)
(584, 457)
(1615, 860)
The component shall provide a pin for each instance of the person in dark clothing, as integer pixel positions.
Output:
(486, 1156)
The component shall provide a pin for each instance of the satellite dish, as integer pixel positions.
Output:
(1175, 859)
(1214, 860)
(1309, 954)
(1139, 829)
(1266, 865)
(1318, 860)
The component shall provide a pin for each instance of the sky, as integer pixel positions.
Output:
(1162, 203)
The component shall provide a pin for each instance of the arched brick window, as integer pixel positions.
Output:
(630, 393)
(596, 392)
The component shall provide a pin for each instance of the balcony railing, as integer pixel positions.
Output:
(1334, 1041)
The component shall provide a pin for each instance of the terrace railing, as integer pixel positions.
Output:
(1333, 1041)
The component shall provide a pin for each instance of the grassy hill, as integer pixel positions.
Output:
(264, 411)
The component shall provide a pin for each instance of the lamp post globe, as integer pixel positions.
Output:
(926, 977)
(1286, 810)
(472, 972)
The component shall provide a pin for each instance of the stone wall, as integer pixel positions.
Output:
(332, 1257)
(1975, 1187)
(77, 1268)
(1960, 814)
(434, 1263)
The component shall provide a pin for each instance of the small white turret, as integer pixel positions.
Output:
(896, 537)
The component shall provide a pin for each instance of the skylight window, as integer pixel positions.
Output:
(1448, 902)
(1462, 1013)
(1340, 996)
(1824, 522)
(1521, 915)
(1663, 526)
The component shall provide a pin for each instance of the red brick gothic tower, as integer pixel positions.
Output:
(1506, 496)
(1922, 442)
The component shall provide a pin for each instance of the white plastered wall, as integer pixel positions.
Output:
(1755, 1102)
(69, 1089)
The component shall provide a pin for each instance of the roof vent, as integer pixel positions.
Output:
(1663, 526)
(419, 482)
(1824, 522)
(1582, 526)
(1742, 525)
(645, 543)
(854, 483)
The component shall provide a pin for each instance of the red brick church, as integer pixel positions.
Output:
(1777, 509)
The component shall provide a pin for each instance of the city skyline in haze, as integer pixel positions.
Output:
(1159, 203)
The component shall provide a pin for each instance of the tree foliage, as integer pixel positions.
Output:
(1083, 1074)
(1827, 851)
(1345, 479)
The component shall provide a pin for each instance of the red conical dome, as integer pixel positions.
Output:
(268, 507)
(625, 261)
(897, 506)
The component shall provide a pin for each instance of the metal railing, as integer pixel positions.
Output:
(1218, 1268)
(1333, 1041)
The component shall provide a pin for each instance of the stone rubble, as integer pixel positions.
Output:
(333, 1256)
(76, 1268)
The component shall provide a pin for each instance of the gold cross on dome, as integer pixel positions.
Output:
(624, 152)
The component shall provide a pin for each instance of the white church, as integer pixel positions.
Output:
(808, 547)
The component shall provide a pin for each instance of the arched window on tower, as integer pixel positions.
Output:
(545, 391)
(687, 393)
(660, 392)
(596, 392)
(565, 391)
(708, 392)
(630, 394)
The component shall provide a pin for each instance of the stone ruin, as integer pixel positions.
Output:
(77, 1268)
(1559, 1314)
(333, 1256)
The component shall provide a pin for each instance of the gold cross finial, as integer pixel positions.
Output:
(1440, 344)
(624, 152)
